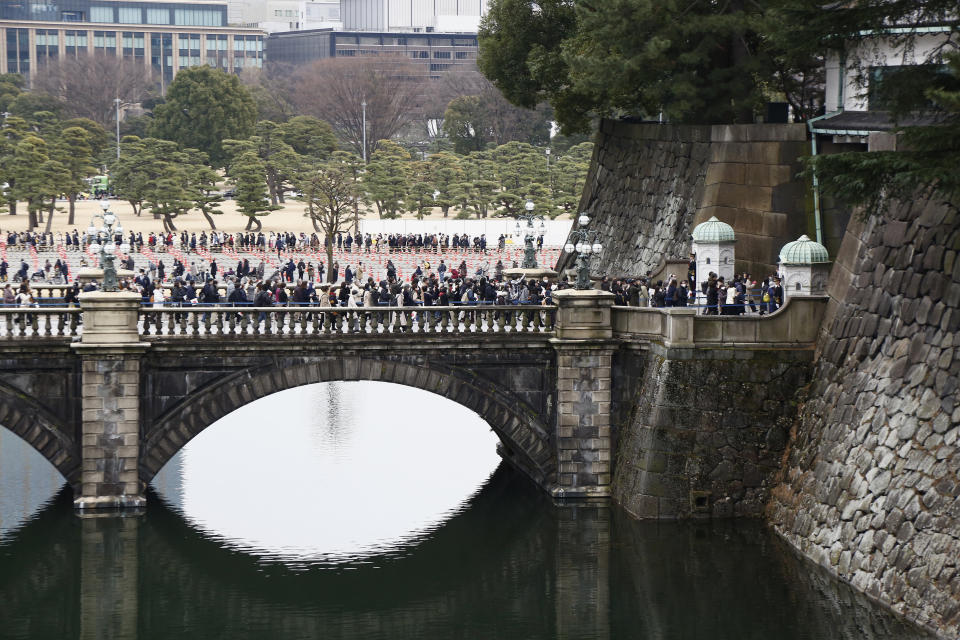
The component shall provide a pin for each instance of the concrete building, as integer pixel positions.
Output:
(438, 53)
(166, 35)
(285, 15)
(416, 16)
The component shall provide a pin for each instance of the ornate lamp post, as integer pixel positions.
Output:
(102, 241)
(529, 252)
(584, 243)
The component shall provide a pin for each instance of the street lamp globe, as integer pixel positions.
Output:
(569, 248)
(124, 247)
(597, 247)
(584, 220)
(95, 247)
(110, 248)
(118, 229)
(529, 206)
(91, 231)
(109, 219)
(105, 205)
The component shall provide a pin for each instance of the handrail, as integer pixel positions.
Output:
(796, 322)
(39, 322)
(301, 321)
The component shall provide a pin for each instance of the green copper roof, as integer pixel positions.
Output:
(713, 231)
(803, 251)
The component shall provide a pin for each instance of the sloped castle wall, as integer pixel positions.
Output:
(650, 184)
(870, 488)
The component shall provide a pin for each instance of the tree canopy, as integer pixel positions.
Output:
(695, 61)
(204, 107)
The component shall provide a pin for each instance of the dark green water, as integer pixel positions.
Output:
(506, 563)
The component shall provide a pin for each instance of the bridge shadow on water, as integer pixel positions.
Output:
(508, 565)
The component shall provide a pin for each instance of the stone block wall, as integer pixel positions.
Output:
(870, 488)
(708, 429)
(111, 431)
(583, 410)
(650, 184)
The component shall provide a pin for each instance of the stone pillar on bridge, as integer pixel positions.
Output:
(584, 363)
(110, 350)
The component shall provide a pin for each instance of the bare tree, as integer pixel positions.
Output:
(334, 90)
(88, 84)
(270, 87)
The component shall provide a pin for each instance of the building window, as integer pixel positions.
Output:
(441, 55)
(439, 67)
(101, 14)
(461, 55)
(198, 18)
(158, 16)
(129, 15)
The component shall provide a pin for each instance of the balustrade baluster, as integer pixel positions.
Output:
(74, 323)
(232, 323)
(255, 320)
(244, 322)
(195, 322)
(168, 317)
(34, 322)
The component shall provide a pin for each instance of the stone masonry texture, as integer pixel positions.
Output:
(870, 488)
(707, 424)
(650, 184)
(110, 426)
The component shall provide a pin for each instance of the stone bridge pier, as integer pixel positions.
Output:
(141, 402)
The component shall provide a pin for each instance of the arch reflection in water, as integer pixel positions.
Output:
(508, 565)
(332, 471)
(27, 482)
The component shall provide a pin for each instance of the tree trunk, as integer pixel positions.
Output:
(316, 225)
(31, 216)
(73, 202)
(330, 262)
(12, 205)
(168, 223)
(209, 218)
(446, 210)
(253, 222)
(50, 215)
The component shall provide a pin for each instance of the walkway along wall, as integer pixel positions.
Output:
(650, 184)
(870, 488)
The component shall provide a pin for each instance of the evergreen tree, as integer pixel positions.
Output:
(387, 181)
(204, 107)
(445, 173)
(252, 198)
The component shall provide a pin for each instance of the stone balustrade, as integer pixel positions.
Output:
(44, 322)
(797, 322)
(318, 321)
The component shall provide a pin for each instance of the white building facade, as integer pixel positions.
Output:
(442, 16)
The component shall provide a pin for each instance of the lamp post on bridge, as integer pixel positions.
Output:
(585, 243)
(102, 241)
(529, 251)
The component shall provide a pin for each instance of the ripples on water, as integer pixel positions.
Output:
(367, 511)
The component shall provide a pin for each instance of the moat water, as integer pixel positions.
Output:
(369, 511)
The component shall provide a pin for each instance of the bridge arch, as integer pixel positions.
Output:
(526, 439)
(35, 425)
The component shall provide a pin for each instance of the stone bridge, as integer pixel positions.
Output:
(108, 393)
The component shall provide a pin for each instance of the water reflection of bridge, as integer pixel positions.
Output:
(508, 565)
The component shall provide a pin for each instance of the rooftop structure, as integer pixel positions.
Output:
(168, 35)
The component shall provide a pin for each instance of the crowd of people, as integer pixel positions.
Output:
(299, 279)
(714, 296)
(267, 242)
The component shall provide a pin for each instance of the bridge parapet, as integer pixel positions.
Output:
(19, 323)
(796, 323)
(201, 322)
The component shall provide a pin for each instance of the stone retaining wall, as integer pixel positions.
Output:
(708, 428)
(870, 488)
(650, 184)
